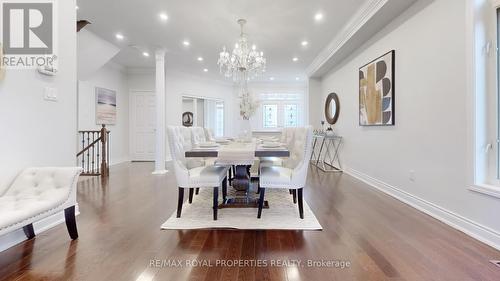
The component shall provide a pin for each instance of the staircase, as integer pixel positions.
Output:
(94, 154)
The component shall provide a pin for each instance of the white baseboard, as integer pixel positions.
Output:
(15, 237)
(465, 225)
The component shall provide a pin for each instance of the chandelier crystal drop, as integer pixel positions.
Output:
(244, 62)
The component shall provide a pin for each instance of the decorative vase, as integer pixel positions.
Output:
(246, 130)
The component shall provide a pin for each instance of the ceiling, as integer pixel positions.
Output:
(277, 27)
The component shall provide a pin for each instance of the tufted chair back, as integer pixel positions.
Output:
(285, 135)
(300, 146)
(177, 151)
(46, 184)
(209, 134)
(198, 135)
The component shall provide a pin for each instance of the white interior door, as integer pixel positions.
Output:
(142, 125)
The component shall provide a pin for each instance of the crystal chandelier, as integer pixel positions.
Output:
(243, 63)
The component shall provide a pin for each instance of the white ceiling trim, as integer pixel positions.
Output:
(364, 14)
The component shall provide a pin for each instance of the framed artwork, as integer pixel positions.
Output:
(376, 91)
(187, 119)
(105, 110)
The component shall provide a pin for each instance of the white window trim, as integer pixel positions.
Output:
(475, 181)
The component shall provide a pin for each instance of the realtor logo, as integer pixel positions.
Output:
(27, 28)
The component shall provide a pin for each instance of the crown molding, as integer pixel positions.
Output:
(365, 13)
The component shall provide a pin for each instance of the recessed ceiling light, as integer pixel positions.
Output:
(304, 43)
(295, 59)
(119, 36)
(200, 59)
(146, 54)
(77, 7)
(186, 43)
(318, 16)
(205, 70)
(163, 17)
(297, 78)
(271, 78)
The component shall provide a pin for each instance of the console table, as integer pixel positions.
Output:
(326, 152)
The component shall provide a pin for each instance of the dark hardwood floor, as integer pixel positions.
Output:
(120, 237)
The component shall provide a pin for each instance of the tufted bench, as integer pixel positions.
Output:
(37, 193)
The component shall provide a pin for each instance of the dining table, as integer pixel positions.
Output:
(240, 154)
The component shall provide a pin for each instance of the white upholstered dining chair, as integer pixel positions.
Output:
(198, 135)
(206, 176)
(293, 173)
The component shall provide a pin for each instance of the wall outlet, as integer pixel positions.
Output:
(50, 94)
(412, 175)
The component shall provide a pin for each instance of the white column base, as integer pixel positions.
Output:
(160, 172)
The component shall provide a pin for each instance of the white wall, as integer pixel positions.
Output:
(38, 132)
(111, 76)
(182, 84)
(430, 136)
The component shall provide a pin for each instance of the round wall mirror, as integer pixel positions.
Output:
(332, 108)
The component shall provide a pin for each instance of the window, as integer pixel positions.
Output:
(219, 117)
(279, 110)
(290, 115)
(270, 116)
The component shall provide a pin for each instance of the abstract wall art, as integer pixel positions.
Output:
(105, 106)
(376, 91)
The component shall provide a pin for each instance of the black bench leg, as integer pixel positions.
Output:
(261, 201)
(294, 193)
(216, 201)
(180, 201)
(69, 215)
(301, 203)
(224, 189)
(29, 231)
(191, 191)
(197, 191)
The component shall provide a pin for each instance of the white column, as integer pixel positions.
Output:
(160, 151)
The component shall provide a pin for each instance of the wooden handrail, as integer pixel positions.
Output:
(94, 155)
(89, 146)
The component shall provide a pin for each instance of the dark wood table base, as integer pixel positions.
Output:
(244, 202)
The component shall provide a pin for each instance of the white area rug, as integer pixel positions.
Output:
(282, 214)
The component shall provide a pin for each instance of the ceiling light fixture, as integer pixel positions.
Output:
(205, 70)
(304, 43)
(271, 78)
(200, 59)
(119, 36)
(244, 62)
(318, 16)
(146, 54)
(186, 43)
(297, 78)
(77, 7)
(295, 59)
(163, 17)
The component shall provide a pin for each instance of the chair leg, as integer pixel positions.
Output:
(197, 191)
(290, 190)
(230, 176)
(180, 201)
(216, 201)
(301, 203)
(258, 186)
(191, 192)
(261, 202)
(224, 189)
(69, 215)
(294, 193)
(29, 231)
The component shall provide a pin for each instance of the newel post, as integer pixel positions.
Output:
(104, 166)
